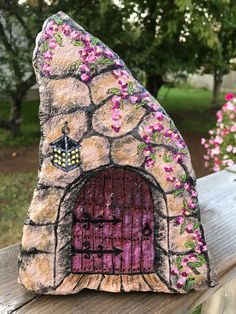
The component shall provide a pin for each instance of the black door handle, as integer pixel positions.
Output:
(146, 231)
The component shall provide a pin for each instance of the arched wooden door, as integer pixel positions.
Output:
(113, 225)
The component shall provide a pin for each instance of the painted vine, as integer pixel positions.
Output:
(92, 54)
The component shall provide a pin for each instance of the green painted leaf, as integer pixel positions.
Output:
(195, 264)
(201, 258)
(178, 261)
(167, 158)
(153, 156)
(130, 88)
(189, 283)
(141, 147)
(57, 20)
(94, 41)
(58, 39)
(190, 245)
(122, 104)
(45, 46)
(93, 67)
(114, 91)
(78, 63)
(185, 204)
(154, 136)
(172, 126)
(183, 226)
(178, 192)
(196, 226)
(106, 61)
(183, 151)
(77, 43)
(184, 177)
(196, 272)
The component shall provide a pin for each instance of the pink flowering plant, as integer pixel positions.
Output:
(221, 146)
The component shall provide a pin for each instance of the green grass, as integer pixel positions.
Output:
(15, 196)
(30, 125)
(190, 108)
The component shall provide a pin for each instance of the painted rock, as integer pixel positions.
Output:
(115, 207)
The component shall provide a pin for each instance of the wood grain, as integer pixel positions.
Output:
(217, 196)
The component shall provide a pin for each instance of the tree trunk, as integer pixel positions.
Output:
(15, 118)
(154, 83)
(217, 84)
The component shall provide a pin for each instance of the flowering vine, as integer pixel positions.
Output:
(92, 55)
(221, 147)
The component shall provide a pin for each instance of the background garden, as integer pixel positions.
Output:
(163, 42)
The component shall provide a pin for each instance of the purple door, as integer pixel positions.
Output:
(113, 226)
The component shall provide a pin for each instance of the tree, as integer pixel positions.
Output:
(217, 59)
(19, 25)
(163, 41)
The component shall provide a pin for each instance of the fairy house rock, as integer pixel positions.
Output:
(115, 207)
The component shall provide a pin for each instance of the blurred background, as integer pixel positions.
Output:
(183, 51)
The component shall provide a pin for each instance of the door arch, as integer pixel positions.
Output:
(113, 225)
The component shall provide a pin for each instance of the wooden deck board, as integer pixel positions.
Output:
(217, 197)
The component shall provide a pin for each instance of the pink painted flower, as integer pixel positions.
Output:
(168, 133)
(154, 106)
(66, 29)
(174, 271)
(52, 26)
(47, 69)
(194, 193)
(147, 138)
(75, 35)
(108, 53)
(178, 157)
(181, 282)
(187, 186)
(135, 99)
(158, 127)
(48, 55)
(52, 43)
(85, 77)
(124, 94)
(117, 63)
(84, 68)
(192, 205)
(116, 100)
(87, 38)
(116, 116)
(147, 151)
(178, 184)
(179, 220)
(150, 162)
(170, 178)
(98, 51)
(184, 261)
(159, 116)
(229, 96)
(122, 83)
(168, 169)
(189, 228)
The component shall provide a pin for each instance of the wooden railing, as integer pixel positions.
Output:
(217, 197)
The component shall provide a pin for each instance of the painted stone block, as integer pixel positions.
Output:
(115, 208)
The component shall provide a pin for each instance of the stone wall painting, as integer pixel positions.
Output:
(115, 207)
